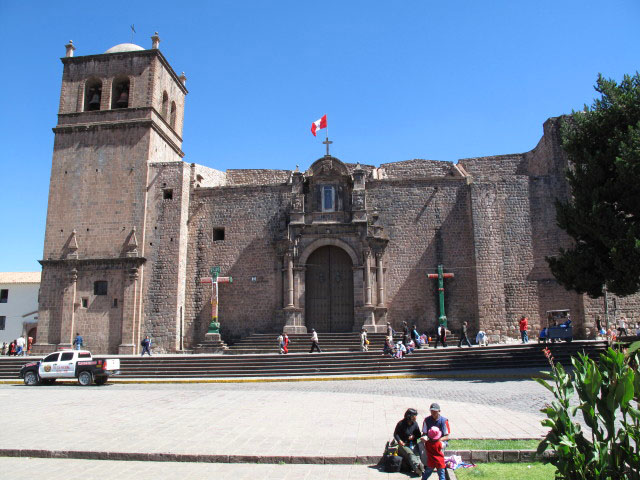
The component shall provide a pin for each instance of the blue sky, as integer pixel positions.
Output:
(398, 80)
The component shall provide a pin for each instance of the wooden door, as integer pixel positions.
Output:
(329, 290)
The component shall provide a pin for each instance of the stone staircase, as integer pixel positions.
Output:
(329, 342)
(335, 363)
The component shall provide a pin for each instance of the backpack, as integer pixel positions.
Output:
(392, 463)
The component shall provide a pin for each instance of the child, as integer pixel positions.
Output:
(435, 457)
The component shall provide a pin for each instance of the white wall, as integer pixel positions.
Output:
(23, 299)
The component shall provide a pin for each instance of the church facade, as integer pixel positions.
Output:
(132, 230)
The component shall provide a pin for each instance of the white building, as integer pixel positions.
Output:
(18, 305)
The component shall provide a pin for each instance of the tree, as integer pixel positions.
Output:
(603, 214)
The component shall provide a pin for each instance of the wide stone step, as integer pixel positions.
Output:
(338, 363)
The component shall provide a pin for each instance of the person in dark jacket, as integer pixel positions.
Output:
(463, 335)
(146, 346)
(407, 434)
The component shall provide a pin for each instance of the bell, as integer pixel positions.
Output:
(123, 100)
(94, 103)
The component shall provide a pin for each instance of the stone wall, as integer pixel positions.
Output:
(252, 217)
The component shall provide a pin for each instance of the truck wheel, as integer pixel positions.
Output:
(101, 380)
(85, 378)
(31, 378)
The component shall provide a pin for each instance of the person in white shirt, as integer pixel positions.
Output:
(314, 341)
(20, 346)
(622, 326)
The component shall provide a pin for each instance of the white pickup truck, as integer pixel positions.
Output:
(70, 364)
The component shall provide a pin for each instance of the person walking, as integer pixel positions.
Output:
(285, 344)
(441, 336)
(314, 341)
(5, 347)
(389, 330)
(463, 336)
(78, 342)
(524, 324)
(20, 346)
(364, 342)
(622, 326)
(405, 333)
(12, 348)
(146, 346)
(436, 420)
(280, 344)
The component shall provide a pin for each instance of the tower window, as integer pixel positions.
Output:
(100, 287)
(120, 93)
(167, 193)
(3, 321)
(165, 105)
(328, 198)
(4, 295)
(172, 120)
(85, 303)
(92, 95)
(218, 234)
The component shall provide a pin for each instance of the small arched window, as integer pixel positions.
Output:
(165, 105)
(120, 93)
(92, 94)
(172, 119)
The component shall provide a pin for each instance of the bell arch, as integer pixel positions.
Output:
(92, 94)
(120, 92)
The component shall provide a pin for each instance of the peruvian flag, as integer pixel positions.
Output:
(318, 125)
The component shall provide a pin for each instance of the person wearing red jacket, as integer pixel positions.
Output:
(524, 323)
(435, 455)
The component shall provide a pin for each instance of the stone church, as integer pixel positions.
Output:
(132, 229)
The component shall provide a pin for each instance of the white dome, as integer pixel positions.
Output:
(124, 47)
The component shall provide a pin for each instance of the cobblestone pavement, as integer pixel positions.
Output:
(64, 469)
(331, 418)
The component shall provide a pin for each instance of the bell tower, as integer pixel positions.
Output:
(121, 112)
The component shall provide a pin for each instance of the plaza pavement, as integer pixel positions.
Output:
(302, 421)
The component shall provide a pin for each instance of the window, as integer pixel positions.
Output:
(328, 198)
(4, 295)
(167, 193)
(84, 355)
(115, 303)
(172, 118)
(92, 94)
(85, 303)
(100, 287)
(218, 234)
(51, 358)
(120, 93)
(66, 356)
(3, 321)
(165, 105)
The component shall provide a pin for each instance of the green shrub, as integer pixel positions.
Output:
(608, 393)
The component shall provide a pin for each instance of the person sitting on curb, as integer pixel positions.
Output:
(407, 434)
(435, 455)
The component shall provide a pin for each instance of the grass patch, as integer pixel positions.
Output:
(490, 444)
(521, 471)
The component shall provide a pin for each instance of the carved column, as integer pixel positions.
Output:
(380, 278)
(67, 322)
(290, 300)
(129, 300)
(368, 309)
(367, 278)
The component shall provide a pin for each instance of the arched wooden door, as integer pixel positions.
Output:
(329, 290)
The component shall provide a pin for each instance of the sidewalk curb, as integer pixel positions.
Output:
(446, 376)
(475, 456)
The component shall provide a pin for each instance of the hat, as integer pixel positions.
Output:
(434, 407)
(434, 433)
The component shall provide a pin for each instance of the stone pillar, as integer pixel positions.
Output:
(367, 279)
(380, 278)
(292, 312)
(67, 323)
(290, 300)
(129, 300)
